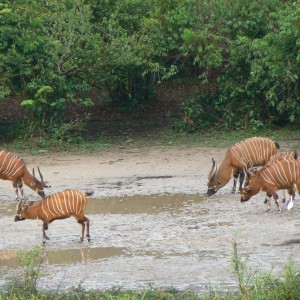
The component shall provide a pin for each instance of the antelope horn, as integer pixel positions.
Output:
(19, 205)
(33, 173)
(249, 168)
(213, 169)
(41, 175)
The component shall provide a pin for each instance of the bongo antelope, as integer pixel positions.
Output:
(282, 174)
(58, 206)
(14, 169)
(282, 155)
(254, 151)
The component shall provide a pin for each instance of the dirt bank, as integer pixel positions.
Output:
(151, 223)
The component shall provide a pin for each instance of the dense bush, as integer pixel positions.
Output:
(53, 52)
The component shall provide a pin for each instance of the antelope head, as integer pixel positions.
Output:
(247, 192)
(37, 185)
(213, 182)
(20, 208)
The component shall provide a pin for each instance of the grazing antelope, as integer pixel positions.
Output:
(254, 151)
(274, 158)
(14, 169)
(58, 206)
(283, 155)
(282, 174)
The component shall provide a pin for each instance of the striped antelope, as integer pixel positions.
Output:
(254, 151)
(14, 169)
(282, 155)
(282, 174)
(58, 206)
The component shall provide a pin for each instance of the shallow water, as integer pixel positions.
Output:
(183, 241)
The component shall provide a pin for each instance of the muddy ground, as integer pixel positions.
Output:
(151, 223)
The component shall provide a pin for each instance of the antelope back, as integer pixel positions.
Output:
(273, 159)
(283, 173)
(64, 204)
(11, 167)
(254, 151)
(283, 155)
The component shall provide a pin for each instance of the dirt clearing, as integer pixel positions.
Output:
(151, 223)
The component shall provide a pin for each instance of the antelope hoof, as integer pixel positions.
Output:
(81, 240)
(88, 238)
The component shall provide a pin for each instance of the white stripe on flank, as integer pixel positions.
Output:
(292, 176)
(55, 204)
(261, 145)
(281, 173)
(59, 206)
(274, 173)
(44, 211)
(266, 178)
(70, 202)
(237, 156)
(4, 161)
(66, 207)
(73, 200)
(49, 205)
(16, 171)
(254, 151)
(77, 204)
(8, 166)
(81, 202)
(14, 166)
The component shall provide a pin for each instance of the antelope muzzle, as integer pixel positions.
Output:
(211, 191)
(41, 193)
(18, 218)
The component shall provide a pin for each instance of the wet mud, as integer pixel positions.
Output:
(151, 227)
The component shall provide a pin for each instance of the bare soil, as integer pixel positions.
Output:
(151, 223)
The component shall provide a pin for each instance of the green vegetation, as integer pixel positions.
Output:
(250, 285)
(165, 138)
(58, 54)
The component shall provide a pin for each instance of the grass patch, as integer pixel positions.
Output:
(162, 138)
(250, 285)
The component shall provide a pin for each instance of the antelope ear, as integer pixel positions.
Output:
(47, 184)
(24, 207)
(253, 171)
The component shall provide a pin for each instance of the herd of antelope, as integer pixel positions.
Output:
(256, 158)
(265, 169)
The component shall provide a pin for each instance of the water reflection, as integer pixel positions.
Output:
(10, 258)
(141, 204)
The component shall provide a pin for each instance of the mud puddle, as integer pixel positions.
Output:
(183, 241)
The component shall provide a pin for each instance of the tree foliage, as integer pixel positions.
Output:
(249, 50)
